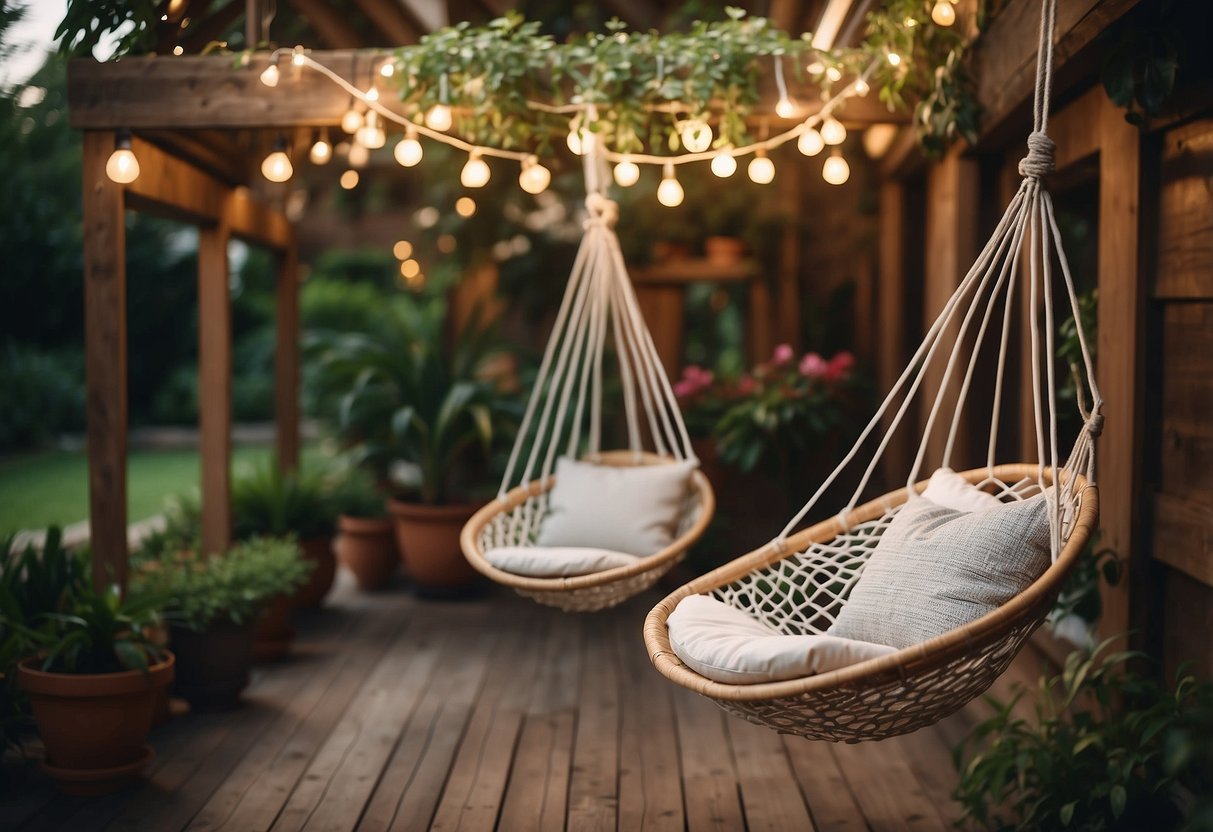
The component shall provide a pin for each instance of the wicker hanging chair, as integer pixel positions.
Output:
(564, 415)
(798, 583)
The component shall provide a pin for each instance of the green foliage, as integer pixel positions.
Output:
(43, 395)
(101, 633)
(268, 502)
(1080, 594)
(88, 21)
(356, 496)
(1109, 749)
(233, 586)
(406, 398)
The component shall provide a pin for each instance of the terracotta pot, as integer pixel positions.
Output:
(318, 550)
(273, 634)
(213, 666)
(428, 537)
(367, 547)
(94, 725)
(724, 250)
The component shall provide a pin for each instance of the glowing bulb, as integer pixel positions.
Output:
(351, 120)
(579, 139)
(297, 56)
(408, 151)
(534, 178)
(359, 155)
(439, 118)
(349, 179)
(321, 152)
(669, 192)
(785, 108)
(465, 206)
(834, 74)
(894, 59)
(372, 94)
(816, 68)
(122, 166)
(761, 169)
(388, 69)
(410, 268)
(724, 165)
(810, 142)
(269, 76)
(370, 133)
(475, 173)
(943, 14)
(696, 135)
(862, 88)
(277, 166)
(832, 131)
(627, 173)
(403, 250)
(836, 170)
(179, 50)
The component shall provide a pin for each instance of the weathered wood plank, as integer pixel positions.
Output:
(770, 794)
(709, 776)
(1185, 218)
(1183, 536)
(593, 786)
(884, 785)
(105, 360)
(831, 803)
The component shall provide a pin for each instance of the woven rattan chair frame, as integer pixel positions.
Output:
(600, 590)
(893, 694)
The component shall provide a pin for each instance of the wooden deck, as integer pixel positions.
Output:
(403, 714)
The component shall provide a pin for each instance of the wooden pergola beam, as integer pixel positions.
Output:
(329, 23)
(390, 19)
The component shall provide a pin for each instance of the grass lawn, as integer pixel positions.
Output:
(52, 486)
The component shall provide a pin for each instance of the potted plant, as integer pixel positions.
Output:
(215, 601)
(366, 537)
(92, 685)
(268, 502)
(425, 420)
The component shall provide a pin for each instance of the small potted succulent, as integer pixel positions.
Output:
(93, 678)
(366, 538)
(268, 502)
(215, 602)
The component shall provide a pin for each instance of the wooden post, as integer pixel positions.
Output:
(252, 23)
(890, 354)
(1121, 347)
(787, 322)
(215, 386)
(286, 360)
(105, 360)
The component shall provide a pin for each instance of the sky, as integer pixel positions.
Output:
(35, 37)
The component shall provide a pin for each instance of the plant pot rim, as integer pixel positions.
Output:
(91, 685)
(357, 523)
(424, 511)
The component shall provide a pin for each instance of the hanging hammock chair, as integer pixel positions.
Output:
(800, 583)
(598, 301)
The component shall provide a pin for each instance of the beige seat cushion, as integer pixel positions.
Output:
(556, 561)
(728, 645)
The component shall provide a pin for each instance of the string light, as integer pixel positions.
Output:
(410, 268)
(439, 118)
(359, 155)
(836, 170)
(475, 173)
(834, 74)
(832, 131)
(815, 68)
(810, 142)
(122, 166)
(579, 138)
(372, 94)
(270, 75)
(403, 250)
(321, 151)
(349, 179)
(894, 59)
(627, 173)
(942, 13)
(388, 69)
(724, 164)
(862, 88)
(408, 150)
(785, 107)
(696, 135)
(371, 134)
(761, 168)
(534, 178)
(465, 206)
(669, 192)
(297, 56)
(351, 120)
(277, 166)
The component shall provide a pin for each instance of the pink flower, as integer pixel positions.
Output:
(840, 366)
(684, 388)
(746, 386)
(813, 366)
(782, 355)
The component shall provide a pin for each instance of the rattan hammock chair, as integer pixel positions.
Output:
(798, 583)
(598, 301)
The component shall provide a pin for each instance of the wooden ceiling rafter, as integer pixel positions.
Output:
(328, 23)
(390, 18)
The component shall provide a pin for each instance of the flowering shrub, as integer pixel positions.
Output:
(777, 413)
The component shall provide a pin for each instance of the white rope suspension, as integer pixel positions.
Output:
(992, 281)
(564, 414)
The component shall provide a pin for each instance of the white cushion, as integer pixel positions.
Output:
(936, 568)
(556, 561)
(633, 509)
(949, 489)
(728, 645)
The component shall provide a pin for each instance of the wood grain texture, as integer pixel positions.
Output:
(1185, 214)
(215, 387)
(286, 360)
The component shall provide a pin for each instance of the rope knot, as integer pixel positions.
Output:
(1039, 161)
(1095, 424)
(603, 212)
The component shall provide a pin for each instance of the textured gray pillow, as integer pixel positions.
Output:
(936, 569)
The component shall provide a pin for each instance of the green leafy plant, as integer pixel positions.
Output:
(269, 502)
(1109, 749)
(420, 417)
(233, 586)
(102, 633)
(356, 496)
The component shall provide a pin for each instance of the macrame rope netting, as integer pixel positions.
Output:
(564, 414)
(989, 288)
